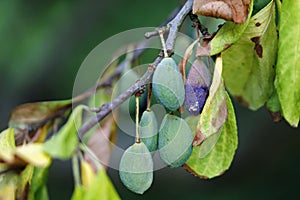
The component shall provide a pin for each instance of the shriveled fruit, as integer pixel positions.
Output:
(149, 130)
(168, 85)
(197, 87)
(136, 168)
(174, 141)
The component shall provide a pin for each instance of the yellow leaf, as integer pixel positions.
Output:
(44, 130)
(7, 145)
(33, 153)
(8, 192)
(87, 174)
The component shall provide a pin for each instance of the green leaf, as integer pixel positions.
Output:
(24, 182)
(42, 193)
(78, 193)
(214, 112)
(100, 187)
(216, 153)
(38, 188)
(274, 107)
(249, 63)
(63, 144)
(273, 103)
(288, 64)
(228, 34)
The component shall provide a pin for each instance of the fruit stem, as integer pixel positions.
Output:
(137, 131)
(163, 43)
(149, 96)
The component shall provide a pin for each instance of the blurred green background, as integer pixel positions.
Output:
(42, 46)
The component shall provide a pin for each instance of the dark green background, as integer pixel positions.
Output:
(43, 44)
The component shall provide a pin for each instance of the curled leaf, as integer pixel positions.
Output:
(215, 154)
(227, 35)
(214, 113)
(29, 117)
(230, 10)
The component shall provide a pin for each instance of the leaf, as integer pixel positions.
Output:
(33, 154)
(288, 64)
(34, 118)
(78, 193)
(249, 63)
(273, 105)
(63, 144)
(38, 188)
(228, 34)
(214, 113)
(87, 174)
(32, 115)
(235, 11)
(100, 144)
(21, 155)
(100, 187)
(7, 144)
(215, 154)
(24, 182)
(8, 185)
(42, 193)
(8, 192)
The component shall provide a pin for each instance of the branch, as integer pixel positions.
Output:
(120, 68)
(108, 81)
(105, 109)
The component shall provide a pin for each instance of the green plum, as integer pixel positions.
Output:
(174, 141)
(136, 168)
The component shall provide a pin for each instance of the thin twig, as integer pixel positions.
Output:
(108, 81)
(105, 109)
(201, 27)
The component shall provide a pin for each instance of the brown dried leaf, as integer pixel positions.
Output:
(231, 10)
(32, 121)
(100, 142)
